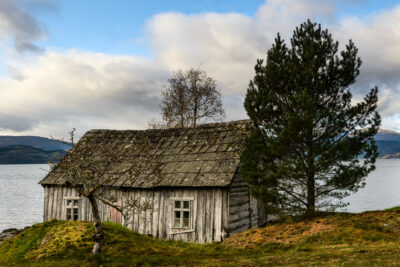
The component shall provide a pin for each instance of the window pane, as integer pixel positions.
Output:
(177, 219)
(177, 214)
(185, 222)
(76, 211)
(185, 204)
(75, 202)
(69, 217)
(186, 219)
(177, 204)
(69, 202)
(75, 217)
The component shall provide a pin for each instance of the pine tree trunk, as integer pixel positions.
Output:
(98, 235)
(311, 195)
(310, 176)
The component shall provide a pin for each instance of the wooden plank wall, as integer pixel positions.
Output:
(253, 212)
(239, 205)
(244, 209)
(210, 211)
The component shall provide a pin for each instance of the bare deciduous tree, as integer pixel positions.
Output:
(155, 124)
(191, 97)
(89, 178)
(71, 141)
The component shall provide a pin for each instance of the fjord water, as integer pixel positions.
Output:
(382, 189)
(21, 198)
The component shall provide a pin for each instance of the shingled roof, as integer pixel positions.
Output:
(205, 156)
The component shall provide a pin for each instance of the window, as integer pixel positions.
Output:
(182, 214)
(72, 209)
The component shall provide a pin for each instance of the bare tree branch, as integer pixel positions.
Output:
(190, 97)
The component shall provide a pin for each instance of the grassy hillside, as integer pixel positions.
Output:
(28, 155)
(64, 243)
(367, 239)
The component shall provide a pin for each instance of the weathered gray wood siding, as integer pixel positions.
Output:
(210, 211)
(244, 209)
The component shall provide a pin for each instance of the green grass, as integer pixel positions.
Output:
(367, 239)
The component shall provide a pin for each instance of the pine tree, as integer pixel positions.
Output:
(310, 146)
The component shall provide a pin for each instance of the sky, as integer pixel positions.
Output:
(103, 64)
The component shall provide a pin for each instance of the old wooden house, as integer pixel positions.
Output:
(189, 175)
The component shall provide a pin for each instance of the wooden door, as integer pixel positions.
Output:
(115, 215)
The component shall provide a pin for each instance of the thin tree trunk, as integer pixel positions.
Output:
(98, 235)
(195, 114)
(182, 121)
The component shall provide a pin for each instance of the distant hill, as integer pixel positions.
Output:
(30, 150)
(388, 143)
(386, 135)
(388, 147)
(391, 156)
(28, 155)
(33, 141)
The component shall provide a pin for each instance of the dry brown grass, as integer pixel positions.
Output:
(280, 233)
(345, 228)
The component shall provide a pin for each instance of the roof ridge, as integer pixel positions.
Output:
(200, 126)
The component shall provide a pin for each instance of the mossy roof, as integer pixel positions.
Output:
(206, 156)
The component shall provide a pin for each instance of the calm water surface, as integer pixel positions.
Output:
(382, 190)
(21, 198)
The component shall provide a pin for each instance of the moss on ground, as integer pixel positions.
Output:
(341, 239)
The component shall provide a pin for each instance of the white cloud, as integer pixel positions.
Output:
(225, 45)
(92, 90)
(378, 39)
(18, 25)
(228, 45)
(58, 90)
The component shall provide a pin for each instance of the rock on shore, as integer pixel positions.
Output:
(10, 232)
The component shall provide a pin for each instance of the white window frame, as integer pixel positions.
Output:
(72, 207)
(181, 210)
